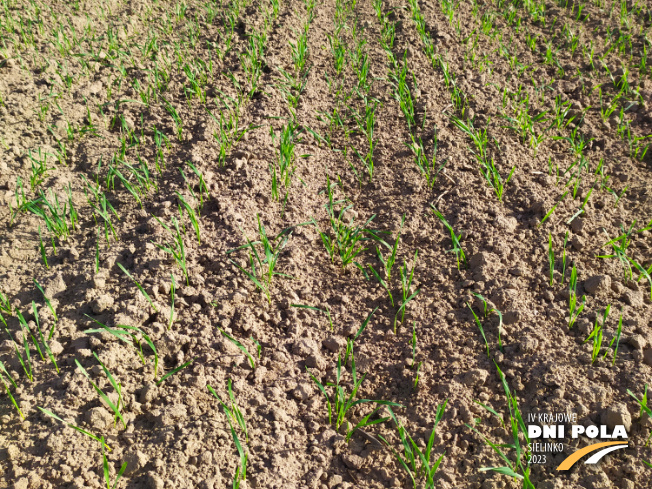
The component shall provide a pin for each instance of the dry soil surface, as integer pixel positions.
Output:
(108, 108)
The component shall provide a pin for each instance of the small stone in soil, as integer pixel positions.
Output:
(617, 414)
(99, 418)
(597, 284)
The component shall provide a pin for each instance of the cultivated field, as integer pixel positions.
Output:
(299, 244)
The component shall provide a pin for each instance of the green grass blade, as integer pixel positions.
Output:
(174, 371)
(142, 291)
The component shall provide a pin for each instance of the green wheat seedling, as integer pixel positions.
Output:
(387, 37)
(107, 472)
(117, 387)
(191, 215)
(299, 50)
(3, 370)
(619, 246)
(275, 8)
(597, 334)
(227, 134)
(262, 266)
(563, 258)
(173, 288)
(159, 158)
(136, 191)
(27, 331)
(72, 212)
(336, 121)
(384, 283)
(549, 213)
(339, 403)
(131, 335)
(195, 85)
(5, 304)
(291, 87)
(644, 408)
(560, 116)
(45, 344)
(362, 71)
(76, 428)
(50, 307)
(57, 221)
(519, 468)
(174, 371)
(252, 61)
(259, 347)
(487, 311)
(480, 327)
(488, 167)
(418, 463)
(26, 360)
(22, 204)
(388, 264)
(420, 22)
(366, 125)
(241, 469)
(241, 347)
(39, 169)
(175, 117)
(325, 311)
(619, 196)
(575, 308)
(192, 193)
(338, 50)
(203, 190)
(402, 93)
(455, 238)
(55, 216)
(101, 207)
(643, 273)
(147, 94)
(615, 341)
(233, 412)
(310, 6)
(577, 142)
(636, 148)
(176, 248)
(100, 392)
(140, 287)
(283, 168)
(458, 97)
(407, 276)
(583, 164)
(523, 124)
(427, 167)
(347, 239)
(140, 174)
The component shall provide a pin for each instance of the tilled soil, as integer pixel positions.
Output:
(87, 88)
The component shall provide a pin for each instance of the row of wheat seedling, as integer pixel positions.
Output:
(33, 338)
(355, 110)
(481, 141)
(291, 84)
(625, 95)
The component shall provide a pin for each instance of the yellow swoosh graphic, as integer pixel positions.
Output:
(571, 459)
